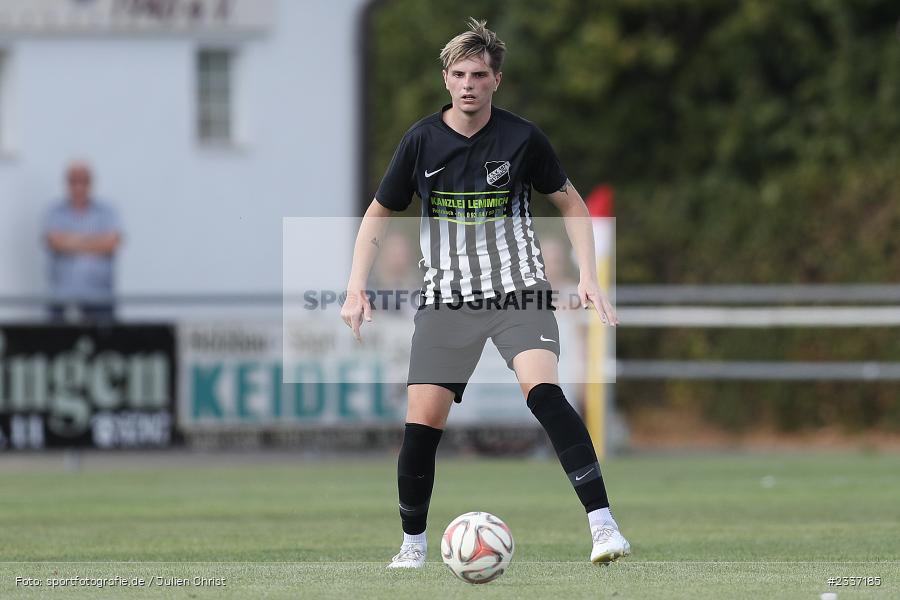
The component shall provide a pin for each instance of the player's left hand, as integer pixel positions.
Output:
(591, 296)
(356, 308)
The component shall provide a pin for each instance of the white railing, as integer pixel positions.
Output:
(762, 307)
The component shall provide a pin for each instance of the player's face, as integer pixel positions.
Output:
(471, 83)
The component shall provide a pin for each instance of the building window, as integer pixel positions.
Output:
(215, 96)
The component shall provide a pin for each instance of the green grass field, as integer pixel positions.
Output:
(700, 527)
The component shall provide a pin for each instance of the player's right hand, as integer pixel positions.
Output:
(356, 308)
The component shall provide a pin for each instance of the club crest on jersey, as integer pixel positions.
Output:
(497, 172)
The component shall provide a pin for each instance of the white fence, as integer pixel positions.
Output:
(763, 307)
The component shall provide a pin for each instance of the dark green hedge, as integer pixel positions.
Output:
(748, 142)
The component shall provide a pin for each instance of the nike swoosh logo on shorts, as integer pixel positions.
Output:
(427, 174)
(577, 478)
(543, 339)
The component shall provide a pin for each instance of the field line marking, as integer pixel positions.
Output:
(527, 562)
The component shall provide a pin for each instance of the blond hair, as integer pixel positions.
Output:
(475, 43)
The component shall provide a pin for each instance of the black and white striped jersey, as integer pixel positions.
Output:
(476, 230)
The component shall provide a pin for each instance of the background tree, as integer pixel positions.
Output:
(748, 142)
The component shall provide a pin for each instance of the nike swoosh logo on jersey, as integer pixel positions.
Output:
(577, 478)
(543, 339)
(427, 174)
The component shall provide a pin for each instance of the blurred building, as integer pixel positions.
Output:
(208, 121)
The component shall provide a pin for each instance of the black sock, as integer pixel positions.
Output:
(572, 443)
(415, 475)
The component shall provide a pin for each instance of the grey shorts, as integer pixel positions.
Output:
(450, 337)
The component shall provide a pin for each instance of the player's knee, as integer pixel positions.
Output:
(420, 443)
(428, 414)
(431, 421)
(546, 396)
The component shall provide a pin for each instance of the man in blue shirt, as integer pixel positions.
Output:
(82, 236)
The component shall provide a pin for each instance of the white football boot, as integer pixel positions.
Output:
(608, 544)
(411, 556)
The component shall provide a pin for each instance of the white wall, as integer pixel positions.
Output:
(196, 220)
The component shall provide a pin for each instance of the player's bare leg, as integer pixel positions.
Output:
(428, 404)
(537, 373)
(535, 366)
(426, 416)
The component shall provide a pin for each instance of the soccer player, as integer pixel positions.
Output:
(473, 165)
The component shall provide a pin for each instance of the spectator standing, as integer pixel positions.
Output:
(82, 236)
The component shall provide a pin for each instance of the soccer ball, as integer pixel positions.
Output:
(477, 546)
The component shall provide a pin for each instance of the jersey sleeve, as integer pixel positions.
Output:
(398, 184)
(547, 175)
